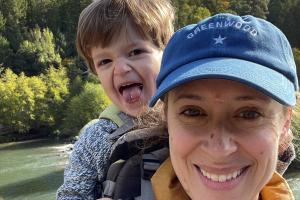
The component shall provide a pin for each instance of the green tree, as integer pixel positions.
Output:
(188, 14)
(2, 22)
(69, 15)
(83, 108)
(14, 12)
(57, 83)
(258, 8)
(19, 96)
(5, 51)
(216, 6)
(38, 52)
(285, 15)
(32, 102)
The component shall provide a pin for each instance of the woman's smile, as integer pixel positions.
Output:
(221, 180)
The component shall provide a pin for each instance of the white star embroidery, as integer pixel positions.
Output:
(219, 40)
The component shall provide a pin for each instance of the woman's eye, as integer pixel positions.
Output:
(192, 112)
(249, 115)
(136, 52)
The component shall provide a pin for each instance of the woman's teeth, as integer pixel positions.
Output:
(221, 177)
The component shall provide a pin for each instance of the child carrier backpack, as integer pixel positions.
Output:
(134, 158)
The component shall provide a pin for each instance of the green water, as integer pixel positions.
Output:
(293, 178)
(34, 170)
(31, 170)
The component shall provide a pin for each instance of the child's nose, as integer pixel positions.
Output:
(121, 66)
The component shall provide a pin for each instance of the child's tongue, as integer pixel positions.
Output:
(132, 93)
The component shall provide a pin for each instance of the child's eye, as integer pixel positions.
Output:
(136, 52)
(104, 62)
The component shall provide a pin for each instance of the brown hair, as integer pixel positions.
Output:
(100, 21)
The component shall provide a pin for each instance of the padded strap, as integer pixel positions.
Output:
(112, 174)
(127, 126)
(146, 190)
(111, 113)
(123, 121)
(150, 164)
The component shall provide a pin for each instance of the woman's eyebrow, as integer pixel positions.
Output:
(238, 98)
(252, 98)
(188, 96)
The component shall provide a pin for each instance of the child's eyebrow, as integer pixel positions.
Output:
(134, 43)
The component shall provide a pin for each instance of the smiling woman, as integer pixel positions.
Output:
(228, 98)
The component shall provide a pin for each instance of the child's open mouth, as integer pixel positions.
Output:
(131, 92)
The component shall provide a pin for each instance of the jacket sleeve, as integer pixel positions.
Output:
(88, 162)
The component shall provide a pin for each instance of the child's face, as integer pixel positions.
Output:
(223, 138)
(127, 69)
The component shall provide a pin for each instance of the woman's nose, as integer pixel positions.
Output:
(219, 142)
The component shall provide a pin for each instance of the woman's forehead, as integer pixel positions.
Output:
(218, 89)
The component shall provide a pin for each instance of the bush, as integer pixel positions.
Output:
(19, 96)
(32, 102)
(83, 108)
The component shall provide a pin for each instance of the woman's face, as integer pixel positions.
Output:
(224, 138)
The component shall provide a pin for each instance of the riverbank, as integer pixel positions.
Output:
(6, 137)
(32, 169)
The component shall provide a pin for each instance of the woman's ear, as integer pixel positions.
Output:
(288, 121)
(286, 136)
(287, 124)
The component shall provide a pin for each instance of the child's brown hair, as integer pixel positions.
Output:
(103, 19)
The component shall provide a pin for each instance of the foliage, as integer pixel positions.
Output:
(57, 83)
(2, 22)
(38, 52)
(296, 53)
(188, 14)
(286, 15)
(257, 8)
(5, 50)
(19, 95)
(85, 106)
(14, 12)
(31, 102)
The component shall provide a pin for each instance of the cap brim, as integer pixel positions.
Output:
(262, 78)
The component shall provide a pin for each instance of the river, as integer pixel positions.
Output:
(33, 170)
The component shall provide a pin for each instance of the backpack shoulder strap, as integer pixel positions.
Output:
(123, 121)
(150, 163)
(112, 113)
(133, 165)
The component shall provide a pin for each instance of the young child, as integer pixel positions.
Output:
(122, 43)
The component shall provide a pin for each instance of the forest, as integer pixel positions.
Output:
(45, 87)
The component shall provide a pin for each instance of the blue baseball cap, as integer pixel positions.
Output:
(246, 49)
